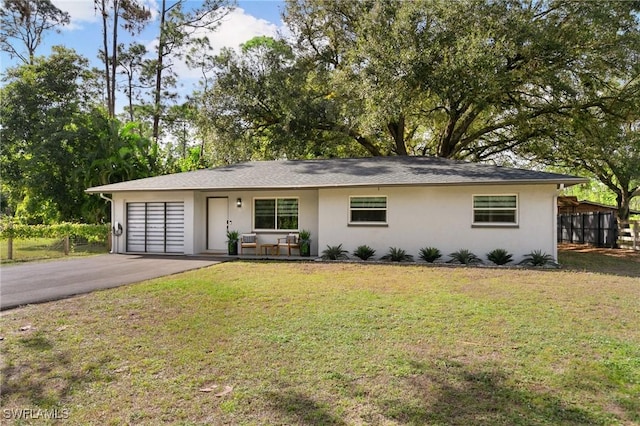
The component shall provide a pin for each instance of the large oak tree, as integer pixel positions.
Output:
(464, 79)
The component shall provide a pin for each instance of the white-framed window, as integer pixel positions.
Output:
(495, 209)
(368, 210)
(271, 214)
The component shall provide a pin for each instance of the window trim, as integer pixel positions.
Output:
(516, 210)
(276, 229)
(372, 223)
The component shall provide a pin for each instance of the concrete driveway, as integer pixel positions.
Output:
(45, 281)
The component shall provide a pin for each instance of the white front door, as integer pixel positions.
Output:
(217, 224)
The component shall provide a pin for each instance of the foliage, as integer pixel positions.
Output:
(233, 236)
(334, 253)
(364, 252)
(56, 143)
(537, 258)
(304, 235)
(603, 142)
(430, 254)
(46, 134)
(293, 118)
(180, 28)
(25, 22)
(499, 256)
(397, 255)
(18, 231)
(452, 79)
(464, 257)
(133, 17)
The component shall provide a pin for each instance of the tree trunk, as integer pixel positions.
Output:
(105, 46)
(114, 59)
(623, 199)
(396, 128)
(156, 103)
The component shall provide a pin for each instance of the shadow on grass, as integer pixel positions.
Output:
(585, 258)
(463, 396)
(45, 377)
(297, 408)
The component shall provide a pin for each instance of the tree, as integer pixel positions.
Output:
(131, 63)
(135, 17)
(41, 111)
(265, 104)
(179, 28)
(602, 141)
(26, 21)
(115, 153)
(468, 78)
(464, 79)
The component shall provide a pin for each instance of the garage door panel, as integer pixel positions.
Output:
(155, 227)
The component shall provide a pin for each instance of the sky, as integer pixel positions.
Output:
(84, 33)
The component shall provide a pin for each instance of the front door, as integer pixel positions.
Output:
(217, 223)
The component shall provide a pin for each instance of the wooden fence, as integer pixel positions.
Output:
(629, 235)
(597, 228)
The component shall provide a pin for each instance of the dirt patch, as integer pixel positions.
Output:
(617, 253)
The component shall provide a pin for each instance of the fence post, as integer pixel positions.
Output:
(66, 245)
(10, 248)
(636, 235)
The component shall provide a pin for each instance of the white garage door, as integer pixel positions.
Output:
(155, 227)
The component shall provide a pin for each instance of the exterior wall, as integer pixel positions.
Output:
(241, 218)
(441, 217)
(416, 217)
(119, 214)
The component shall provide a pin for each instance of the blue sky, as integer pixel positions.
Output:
(250, 18)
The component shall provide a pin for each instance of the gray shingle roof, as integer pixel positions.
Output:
(374, 171)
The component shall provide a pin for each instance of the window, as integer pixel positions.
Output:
(495, 209)
(367, 210)
(276, 213)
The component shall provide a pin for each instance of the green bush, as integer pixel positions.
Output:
(499, 256)
(364, 252)
(92, 233)
(537, 258)
(334, 253)
(430, 254)
(233, 236)
(397, 255)
(464, 257)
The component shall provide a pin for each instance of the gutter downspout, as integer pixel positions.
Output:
(559, 189)
(104, 197)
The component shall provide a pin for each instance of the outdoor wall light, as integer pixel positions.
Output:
(239, 202)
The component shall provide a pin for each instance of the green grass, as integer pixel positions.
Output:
(317, 343)
(45, 248)
(598, 260)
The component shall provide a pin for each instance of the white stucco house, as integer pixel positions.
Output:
(403, 202)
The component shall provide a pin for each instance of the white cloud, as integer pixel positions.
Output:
(84, 12)
(80, 12)
(236, 28)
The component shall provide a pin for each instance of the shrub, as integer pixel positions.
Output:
(364, 252)
(499, 256)
(233, 236)
(537, 258)
(430, 254)
(334, 253)
(397, 255)
(464, 257)
(304, 235)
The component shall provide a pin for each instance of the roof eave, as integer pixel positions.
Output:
(566, 182)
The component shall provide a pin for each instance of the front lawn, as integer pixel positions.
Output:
(317, 343)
